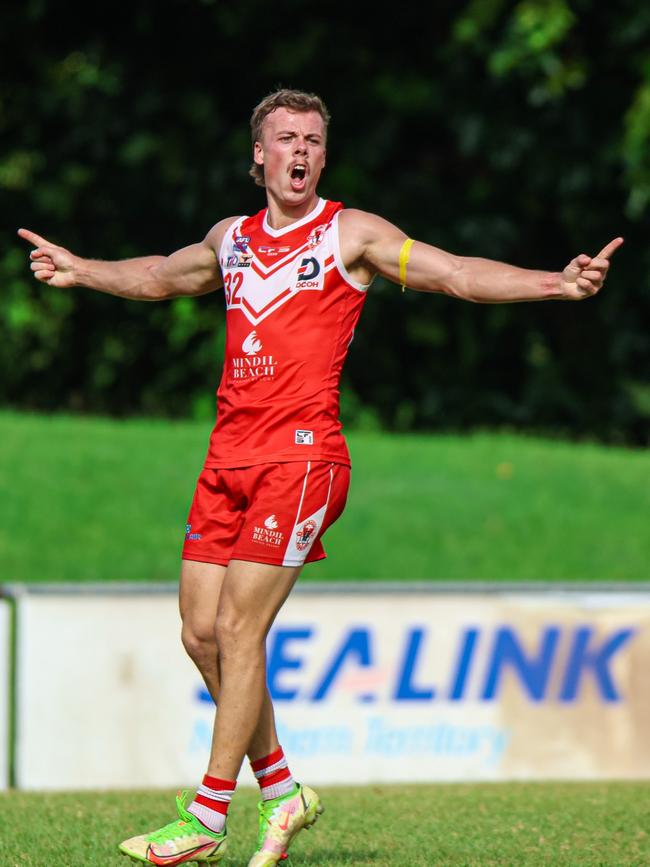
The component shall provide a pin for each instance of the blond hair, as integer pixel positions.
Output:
(296, 100)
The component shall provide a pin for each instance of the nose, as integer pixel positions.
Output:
(301, 146)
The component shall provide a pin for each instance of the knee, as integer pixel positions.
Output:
(200, 643)
(235, 633)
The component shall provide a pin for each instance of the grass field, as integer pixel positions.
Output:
(94, 500)
(518, 824)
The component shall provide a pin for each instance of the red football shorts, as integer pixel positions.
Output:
(270, 513)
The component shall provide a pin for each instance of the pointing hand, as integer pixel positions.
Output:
(51, 264)
(584, 275)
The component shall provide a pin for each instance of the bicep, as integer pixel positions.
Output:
(428, 268)
(193, 270)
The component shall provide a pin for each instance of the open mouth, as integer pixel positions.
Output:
(298, 176)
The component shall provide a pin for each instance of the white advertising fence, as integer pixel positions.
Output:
(382, 685)
(5, 690)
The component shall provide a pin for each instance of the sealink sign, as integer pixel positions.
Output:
(564, 661)
(427, 687)
(557, 669)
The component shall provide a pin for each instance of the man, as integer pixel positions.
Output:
(295, 278)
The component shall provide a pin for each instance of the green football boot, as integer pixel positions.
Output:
(181, 842)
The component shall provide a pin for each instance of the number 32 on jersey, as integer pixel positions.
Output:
(232, 283)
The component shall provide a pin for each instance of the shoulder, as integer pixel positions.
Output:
(366, 238)
(215, 236)
(364, 227)
(352, 220)
(358, 232)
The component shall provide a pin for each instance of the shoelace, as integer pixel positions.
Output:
(181, 827)
(265, 814)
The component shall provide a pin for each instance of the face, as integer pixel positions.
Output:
(292, 152)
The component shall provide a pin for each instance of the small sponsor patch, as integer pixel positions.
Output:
(316, 235)
(273, 251)
(304, 438)
(305, 535)
(190, 536)
(241, 242)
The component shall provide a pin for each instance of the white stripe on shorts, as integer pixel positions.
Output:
(292, 556)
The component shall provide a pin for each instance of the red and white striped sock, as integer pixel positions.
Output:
(210, 806)
(273, 775)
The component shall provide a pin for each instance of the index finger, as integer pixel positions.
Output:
(609, 249)
(33, 238)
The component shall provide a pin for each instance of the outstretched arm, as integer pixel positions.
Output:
(430, 269)
(194, 270)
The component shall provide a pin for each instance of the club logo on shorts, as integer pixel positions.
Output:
(271, 523)
(305, 535)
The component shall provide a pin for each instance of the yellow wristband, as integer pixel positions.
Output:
(404, 254)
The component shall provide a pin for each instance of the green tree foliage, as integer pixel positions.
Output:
(516, 131)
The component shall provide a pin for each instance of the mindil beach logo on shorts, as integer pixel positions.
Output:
(305, 535)
(269, 534)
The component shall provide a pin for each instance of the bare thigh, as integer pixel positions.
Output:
(250, 599)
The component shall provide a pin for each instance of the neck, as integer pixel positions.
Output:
(281, 214)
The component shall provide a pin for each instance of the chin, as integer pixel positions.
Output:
(297, 198)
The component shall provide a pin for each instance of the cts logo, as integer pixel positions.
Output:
(252, 344)
(271, 523)
(273, 251)
(308, 270)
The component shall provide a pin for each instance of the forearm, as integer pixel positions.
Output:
(129, 278)
(485, 281)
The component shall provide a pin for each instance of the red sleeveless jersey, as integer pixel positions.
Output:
(291, 310)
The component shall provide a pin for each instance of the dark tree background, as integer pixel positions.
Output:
(515, 131)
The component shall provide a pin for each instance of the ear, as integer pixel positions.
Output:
(258, 153)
